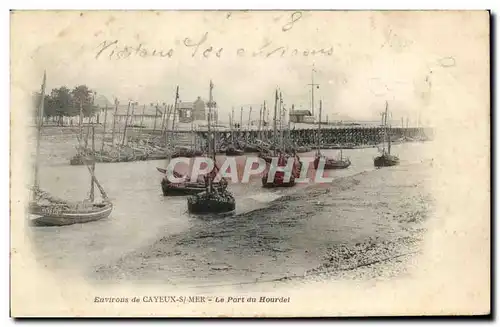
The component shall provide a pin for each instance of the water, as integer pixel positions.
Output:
(142, 217)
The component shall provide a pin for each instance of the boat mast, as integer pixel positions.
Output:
(231, 128)
(281, 122)
(264, 126)
(142, 119)
(80, 121)
(89, 121)
(312, 89)
(192, 134)
(169, 145)
(93, 166)
(114, 123)
(176, 104)
(104, 129)
(164, 125)
(232, 125)
(388, 134)
(248, 125)
(319, 127)
(211, 153)
(39, 129)
(274, 120)
(126, 123)
(260, 123)
(241, 119)
(385, 127)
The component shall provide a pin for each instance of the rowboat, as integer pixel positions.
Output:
(68, 214)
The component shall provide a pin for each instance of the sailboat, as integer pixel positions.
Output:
(47, 210)
(216, 198)
(386, 159)
(282, 159)
(330, 163)
(184, 187)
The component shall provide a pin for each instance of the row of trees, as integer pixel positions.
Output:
(63, 102)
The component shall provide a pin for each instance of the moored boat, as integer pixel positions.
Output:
(280, 159)
(61, 214)
(386, 159)
(46, 210)
(282, 178)
(331, 163)
(216, 199)
(186, 186)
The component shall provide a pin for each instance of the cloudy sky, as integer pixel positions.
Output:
(413, 60)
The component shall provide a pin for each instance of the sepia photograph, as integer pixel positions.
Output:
(249, 163)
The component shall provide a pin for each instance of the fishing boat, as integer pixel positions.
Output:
(279, 176)
(215, 199)
(185, 186)
(329, 163)
(386, 159)
(281, 160)
(46, 210)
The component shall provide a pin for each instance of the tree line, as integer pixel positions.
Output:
(63, 102)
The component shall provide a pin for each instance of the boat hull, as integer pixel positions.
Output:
(279, 176)
(182, 189)
(48, 216)
(170, 189)
(385, 161)
(234, 152)
(332, 163)
(277, 182)
(211, 203)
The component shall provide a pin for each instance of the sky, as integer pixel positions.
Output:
(409, 59)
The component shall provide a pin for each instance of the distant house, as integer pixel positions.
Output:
(189, 111)
(301, 116)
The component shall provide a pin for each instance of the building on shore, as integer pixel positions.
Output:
(191, 111)
(301, 116)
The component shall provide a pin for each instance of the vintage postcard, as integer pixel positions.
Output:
(250, 163)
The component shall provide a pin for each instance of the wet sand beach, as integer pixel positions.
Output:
(365, 226)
